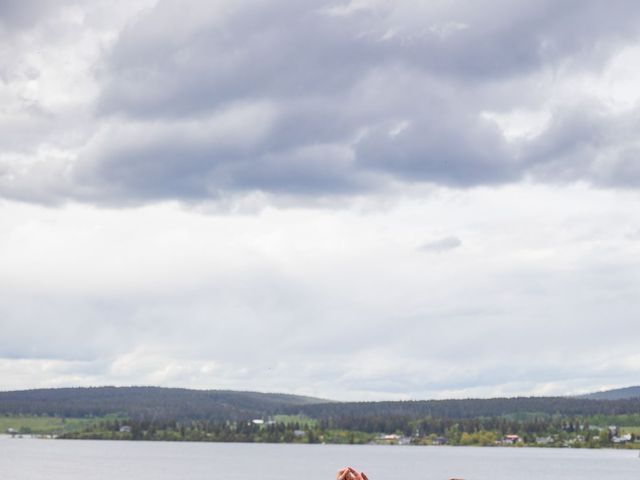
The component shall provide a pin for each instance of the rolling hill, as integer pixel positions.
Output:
(148, 401)
(226, 405)
(615, 394)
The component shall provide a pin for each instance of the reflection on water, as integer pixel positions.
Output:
(31, 459)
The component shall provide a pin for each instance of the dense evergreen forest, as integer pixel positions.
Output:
(139, 402)
(347, 414)
(223, 405)
(616, 394)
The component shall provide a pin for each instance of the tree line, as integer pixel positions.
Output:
(223, 406)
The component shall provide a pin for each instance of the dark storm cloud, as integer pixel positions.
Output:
(355, 98)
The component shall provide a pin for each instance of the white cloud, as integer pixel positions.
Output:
(246, 198)
(336, 303)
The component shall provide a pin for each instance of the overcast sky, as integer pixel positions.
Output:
(357, 200)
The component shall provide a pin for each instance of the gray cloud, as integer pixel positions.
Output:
(316, 99)
(22, 14)
(289, 49)
(587, 143)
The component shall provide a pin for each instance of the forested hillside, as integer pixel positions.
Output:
(173, 403)
(616, 394)
(221, 405)
(351, 415)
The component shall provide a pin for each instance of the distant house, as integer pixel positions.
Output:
(511, 439)
(125, 429)
(622, 438)
(391, 438)
(299, 433)
(257, 421)
(440, 441)
(544, 440)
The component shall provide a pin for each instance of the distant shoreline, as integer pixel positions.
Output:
(539, 447)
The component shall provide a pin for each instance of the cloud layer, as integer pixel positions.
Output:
(313, 99)
(366, 304)
(166, 168)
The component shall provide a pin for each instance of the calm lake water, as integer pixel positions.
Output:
(31, 459)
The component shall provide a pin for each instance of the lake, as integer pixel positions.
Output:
(31, 459)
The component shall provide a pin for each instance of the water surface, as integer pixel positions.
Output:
(33, 459)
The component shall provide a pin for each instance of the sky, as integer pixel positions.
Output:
(355, 200)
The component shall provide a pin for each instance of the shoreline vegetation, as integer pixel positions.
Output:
(539, 432)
